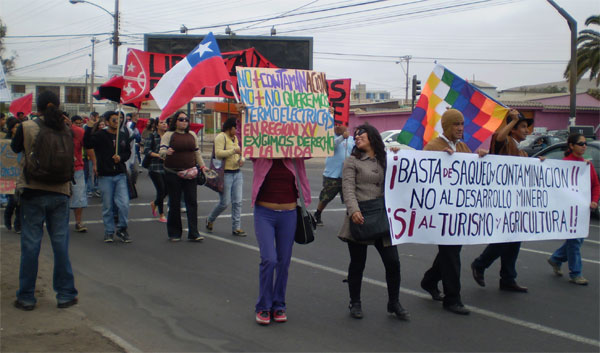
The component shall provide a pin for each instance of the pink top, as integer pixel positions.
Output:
(78, 146)
(595, 184)
(262, 167)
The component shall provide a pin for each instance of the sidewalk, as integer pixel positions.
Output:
(46, 328)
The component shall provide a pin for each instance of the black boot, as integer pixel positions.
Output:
(398, 310)
(356, 310)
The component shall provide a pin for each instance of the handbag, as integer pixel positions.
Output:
(201, 179)
(376, 223)
(218, 166)
(190, 173)
(305, 222)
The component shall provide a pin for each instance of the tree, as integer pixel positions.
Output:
(588, 52)
(7, 63)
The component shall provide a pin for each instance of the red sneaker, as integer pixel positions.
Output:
(263, 317)
(279, 316)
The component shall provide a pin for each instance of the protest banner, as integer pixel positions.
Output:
(287, 113)
(9, 167)
(339, 99)
(437, 198)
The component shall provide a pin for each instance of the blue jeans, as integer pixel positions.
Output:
(570, 252)
(275, 235)
(232, 192)
(53, 209)
(91, 181)
(114, 192)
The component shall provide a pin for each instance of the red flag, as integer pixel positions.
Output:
(111, 90)
(22, 104)
(202, 67)
(136, 81)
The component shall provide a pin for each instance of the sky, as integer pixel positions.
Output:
(506, 43)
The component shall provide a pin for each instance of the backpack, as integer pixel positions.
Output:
(52, 157)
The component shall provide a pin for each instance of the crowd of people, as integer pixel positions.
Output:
(107, 151)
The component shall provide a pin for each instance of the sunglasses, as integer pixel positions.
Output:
(581, 144)
(359, 132)
(183, 119)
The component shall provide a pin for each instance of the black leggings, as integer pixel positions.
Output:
(358, 258)
(160, 184)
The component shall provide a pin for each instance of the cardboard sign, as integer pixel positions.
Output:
(9, 167)
(287, 113)
(437, 198)
(339, 99)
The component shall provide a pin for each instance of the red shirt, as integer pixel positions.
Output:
(595, 184)
(279, 185)
(78, 146)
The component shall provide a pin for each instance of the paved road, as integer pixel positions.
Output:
(161, 296)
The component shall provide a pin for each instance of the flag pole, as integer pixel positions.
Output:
(118, 128)
(237, 100)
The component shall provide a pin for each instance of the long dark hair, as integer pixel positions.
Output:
(47, 104)
(375, 141)
(571, 141)
(173, 121)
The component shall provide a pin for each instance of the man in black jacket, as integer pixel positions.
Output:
(112, 176)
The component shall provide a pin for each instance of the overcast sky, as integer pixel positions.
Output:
(506, 43)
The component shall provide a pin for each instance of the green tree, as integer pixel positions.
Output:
(7, 63)
(588, 52)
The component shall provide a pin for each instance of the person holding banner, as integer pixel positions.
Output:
(504, 142)
(570, 250)
(332, 175)
(274, 195)
(182, 158)
(363, 177)
(446, 266)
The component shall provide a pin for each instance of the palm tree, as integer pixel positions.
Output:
(588, 52)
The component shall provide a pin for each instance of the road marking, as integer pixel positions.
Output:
(549, 253)
(129, 348)
(484, 312)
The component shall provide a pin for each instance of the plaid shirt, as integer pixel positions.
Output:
(152, 144)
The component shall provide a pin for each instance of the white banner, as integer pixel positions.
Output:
(437, 198)
(4, 92)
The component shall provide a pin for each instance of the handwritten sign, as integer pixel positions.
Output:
(437, 198)
(9, 167)
(339, 99)
(287, 113)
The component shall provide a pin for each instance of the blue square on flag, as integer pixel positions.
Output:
(205, 50)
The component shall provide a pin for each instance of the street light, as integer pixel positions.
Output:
(115, 16)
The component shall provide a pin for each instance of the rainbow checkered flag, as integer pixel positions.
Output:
(444, 90)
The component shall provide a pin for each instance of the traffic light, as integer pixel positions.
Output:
(416, 89)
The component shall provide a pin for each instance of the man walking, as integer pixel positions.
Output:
(44, 187)
(446, 266)
(504, 142)
(332, 175)
(112, 176)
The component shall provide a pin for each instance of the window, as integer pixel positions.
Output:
(54, 89)
(17, 88)
(74, 94)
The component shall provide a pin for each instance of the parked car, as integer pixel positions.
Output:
(390, 139)
(535, 143)
(592, 153)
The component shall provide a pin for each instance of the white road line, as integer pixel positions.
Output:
(490, 314)
(129, 348)
(549, 253)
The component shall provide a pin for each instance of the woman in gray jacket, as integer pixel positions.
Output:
(363, 179)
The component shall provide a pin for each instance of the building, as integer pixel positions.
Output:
(360, 94)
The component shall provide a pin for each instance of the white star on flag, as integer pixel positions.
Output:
(129, 89)
(202, 48)
(130, 67)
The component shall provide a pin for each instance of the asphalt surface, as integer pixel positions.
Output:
(162, 296)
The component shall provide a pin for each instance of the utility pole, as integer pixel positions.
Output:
(92, 77)
(573, 72)
(407, 58)
(116, 34)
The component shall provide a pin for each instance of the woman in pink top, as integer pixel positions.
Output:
(274, 195)
(570, 250)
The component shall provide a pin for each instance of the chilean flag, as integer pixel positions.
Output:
(203, 67)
